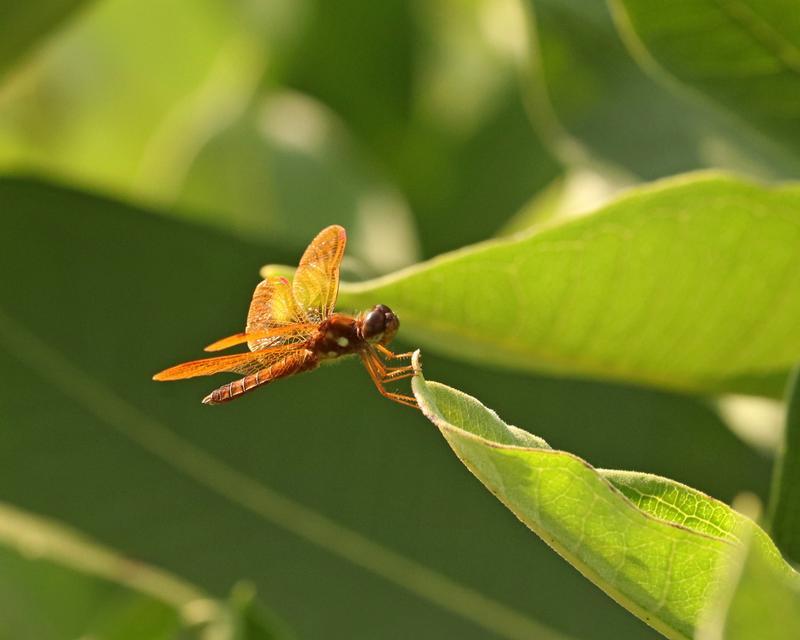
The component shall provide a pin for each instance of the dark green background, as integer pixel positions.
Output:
(121, 293)
(120, 284)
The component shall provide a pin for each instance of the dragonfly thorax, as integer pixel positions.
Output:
(337, 336)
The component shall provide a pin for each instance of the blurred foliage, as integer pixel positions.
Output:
(784, 507)
(154, 155)
(599, 106)
(23, 25)
(55, 583)
(203, 128)
(743, 56)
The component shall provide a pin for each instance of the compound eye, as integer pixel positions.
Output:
(374, 324)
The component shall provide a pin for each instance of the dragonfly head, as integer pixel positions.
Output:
(379, 324)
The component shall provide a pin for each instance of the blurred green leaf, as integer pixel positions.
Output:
(597, 104)
(785, 495)
(743, 54)
(24, 24)
(194, 133)
(55, 583)
(249, 620)
(424, 102)
(653, 545)
(286, 169)
(759, 599)
(431, 92)
(106, 106)
(660, 287)
(356, 57)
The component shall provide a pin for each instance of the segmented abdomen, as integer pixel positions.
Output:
(302, 361)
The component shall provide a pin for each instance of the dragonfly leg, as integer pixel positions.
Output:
(377, 371)
(391, 355)
(398, 374)
(390, 374)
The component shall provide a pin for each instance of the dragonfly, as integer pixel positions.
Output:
(292, 328)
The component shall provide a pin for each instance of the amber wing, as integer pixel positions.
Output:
(274, 310)
(274, 318)
(244, 363)
(316, 282)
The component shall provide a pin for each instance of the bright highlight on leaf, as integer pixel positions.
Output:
(688, 284)
(654, 545)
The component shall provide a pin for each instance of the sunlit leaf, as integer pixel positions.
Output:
(654, 545)
(687, 284)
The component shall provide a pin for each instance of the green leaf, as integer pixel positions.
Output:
(24, 24)
(785, 495)
(743, 54)
(56, 583)
(760, 598)
(654, 545)
(687, 284)
(588, 90)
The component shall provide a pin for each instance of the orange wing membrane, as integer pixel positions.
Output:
(244, 363)
(274, 310)
(316, 282)
(289, 330)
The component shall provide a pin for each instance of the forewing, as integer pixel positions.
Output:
(316, 281)
(273, 307)
(244, 363)
(288, 332)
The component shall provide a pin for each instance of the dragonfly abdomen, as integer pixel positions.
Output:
(291, 365)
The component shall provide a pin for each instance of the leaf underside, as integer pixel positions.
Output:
(654, 545)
